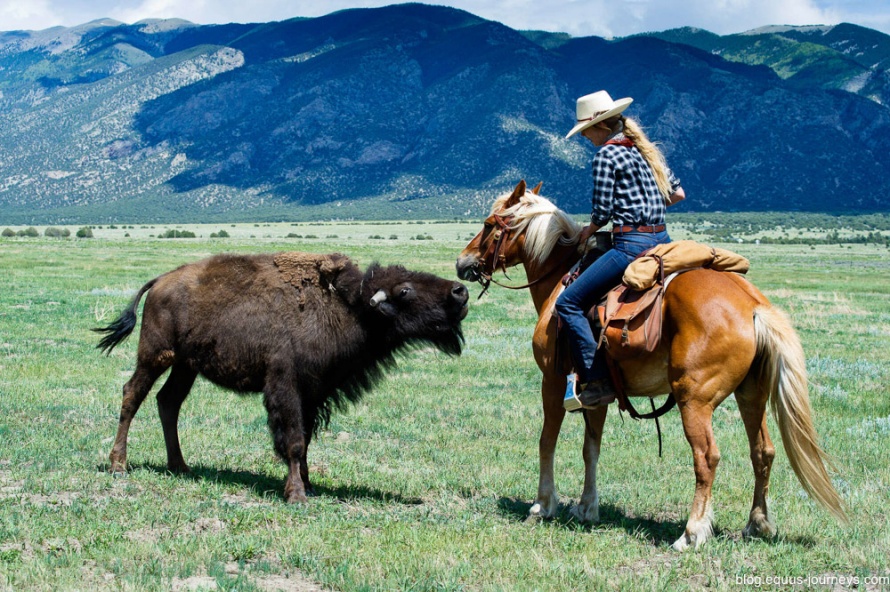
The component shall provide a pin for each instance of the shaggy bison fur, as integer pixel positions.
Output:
(311, 332)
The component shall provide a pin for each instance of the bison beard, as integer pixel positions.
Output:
(311, 332)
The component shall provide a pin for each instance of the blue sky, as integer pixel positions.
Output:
(605, 18)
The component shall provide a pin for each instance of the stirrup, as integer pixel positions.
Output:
(571, 402)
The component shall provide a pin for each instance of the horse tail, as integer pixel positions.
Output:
(120, 329)
(783, 375)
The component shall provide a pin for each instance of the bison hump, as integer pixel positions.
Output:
(310, 269)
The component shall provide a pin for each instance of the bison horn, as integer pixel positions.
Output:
(377, 298)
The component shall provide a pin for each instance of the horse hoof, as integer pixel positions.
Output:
(759, 530)
(694, 540)
(539, 512)
(586, 513)
(681, 544)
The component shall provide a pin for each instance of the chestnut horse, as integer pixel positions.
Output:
(720, 335)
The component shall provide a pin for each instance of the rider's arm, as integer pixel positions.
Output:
(676, 197)
(587, 232)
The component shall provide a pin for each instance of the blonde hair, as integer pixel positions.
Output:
(651, 153)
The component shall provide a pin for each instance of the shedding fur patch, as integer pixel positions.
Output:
(302, 270)
(166, 357)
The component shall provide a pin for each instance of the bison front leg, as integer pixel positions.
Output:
(310, 416)
(282, 401)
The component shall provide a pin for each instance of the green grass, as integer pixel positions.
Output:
(425, 484)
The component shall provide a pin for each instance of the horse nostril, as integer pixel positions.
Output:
(467, 268)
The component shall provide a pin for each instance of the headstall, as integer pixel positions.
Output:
(494, 257)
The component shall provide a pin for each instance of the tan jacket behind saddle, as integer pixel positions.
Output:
(631, 314)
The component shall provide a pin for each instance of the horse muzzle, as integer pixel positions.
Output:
(469, 268)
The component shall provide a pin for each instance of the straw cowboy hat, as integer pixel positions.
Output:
(594, 108)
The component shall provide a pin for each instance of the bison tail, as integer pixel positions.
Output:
(120, 329)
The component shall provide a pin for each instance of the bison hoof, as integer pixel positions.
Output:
(297, 498)
(118, 469)
(295, 494)
(179, 468)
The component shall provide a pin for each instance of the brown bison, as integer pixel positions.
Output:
(311, 332)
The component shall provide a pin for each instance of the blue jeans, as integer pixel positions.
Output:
(603, 274)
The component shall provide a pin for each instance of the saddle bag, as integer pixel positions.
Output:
(631, 320)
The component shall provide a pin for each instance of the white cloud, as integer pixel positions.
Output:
(152, 9)
(733, 16)
(625, 17)
(234, 11)
(15, 14)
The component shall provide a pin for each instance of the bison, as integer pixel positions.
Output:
(311, 332)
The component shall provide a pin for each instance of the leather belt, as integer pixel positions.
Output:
(620, 229)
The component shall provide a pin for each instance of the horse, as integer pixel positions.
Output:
(720, 336)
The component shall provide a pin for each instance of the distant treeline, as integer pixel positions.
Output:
(764, 227)
(795, 228)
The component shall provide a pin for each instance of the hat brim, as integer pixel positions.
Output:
(620, 105)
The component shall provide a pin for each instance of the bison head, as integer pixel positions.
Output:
(415, 307)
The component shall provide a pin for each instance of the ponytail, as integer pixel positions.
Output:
(651, 153)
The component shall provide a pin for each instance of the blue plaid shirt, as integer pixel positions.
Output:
(624, 188)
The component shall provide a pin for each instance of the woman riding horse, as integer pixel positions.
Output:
(631, 186)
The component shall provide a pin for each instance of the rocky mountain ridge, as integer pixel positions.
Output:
(409, 111)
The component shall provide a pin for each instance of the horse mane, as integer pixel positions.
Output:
(544, 224)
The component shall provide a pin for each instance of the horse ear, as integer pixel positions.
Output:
(518, 192)
(537, 189)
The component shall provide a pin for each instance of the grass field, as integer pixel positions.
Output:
(425, 484)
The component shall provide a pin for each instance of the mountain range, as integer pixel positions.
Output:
(423, 111)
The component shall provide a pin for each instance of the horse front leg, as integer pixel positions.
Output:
(588, 509)
(700, 435)
(547, 501)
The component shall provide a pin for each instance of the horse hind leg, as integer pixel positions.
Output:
(706, 456)
(170, 399)
(752, 401)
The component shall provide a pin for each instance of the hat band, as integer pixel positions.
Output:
(594, 116)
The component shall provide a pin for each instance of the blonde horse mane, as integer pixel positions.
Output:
(544, 224)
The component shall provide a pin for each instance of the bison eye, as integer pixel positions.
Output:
(406, 292)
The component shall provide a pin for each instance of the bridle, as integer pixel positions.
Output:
(494, 258)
